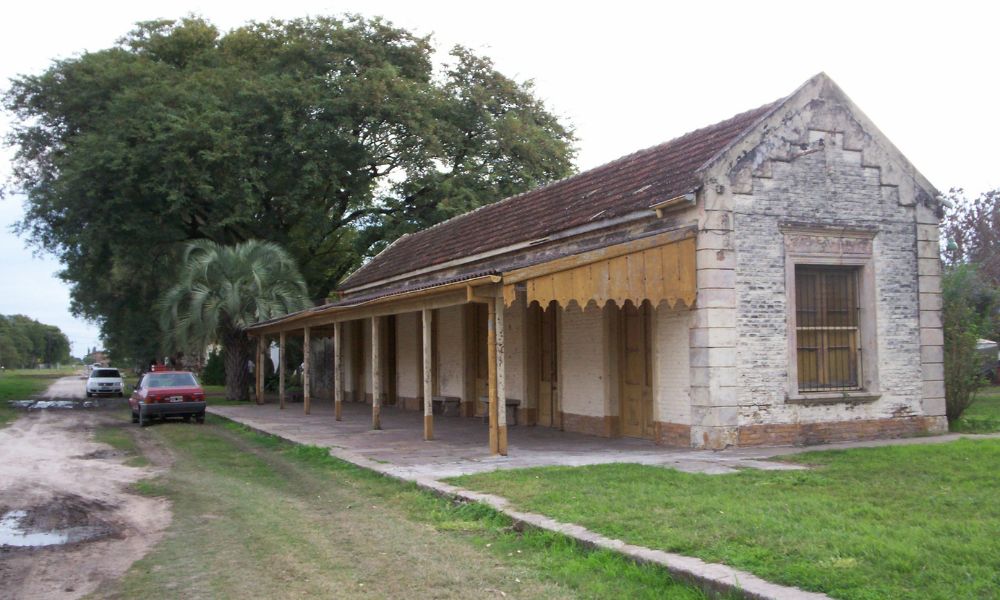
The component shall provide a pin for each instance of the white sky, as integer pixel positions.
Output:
(626, 76)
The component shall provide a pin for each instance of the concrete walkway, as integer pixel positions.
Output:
(460, 447)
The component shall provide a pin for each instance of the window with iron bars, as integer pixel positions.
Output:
(827, 317)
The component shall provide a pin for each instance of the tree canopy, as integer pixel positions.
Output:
(328, 136)
(26, 343)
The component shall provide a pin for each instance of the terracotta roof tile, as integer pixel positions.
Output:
(633, 182)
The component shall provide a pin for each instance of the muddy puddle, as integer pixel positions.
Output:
(67, 404)
(66, 520)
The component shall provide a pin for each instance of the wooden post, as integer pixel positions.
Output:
(491, 367)
(306, 359)
(501, 380)
(281, 370)
(338, 373)
(259, 372)
(428, 399)
(376, 376)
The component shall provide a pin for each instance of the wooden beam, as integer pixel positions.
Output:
(281, 370)
(427, 318)
(306, 371)
(338, 372)
(376, 375)
(439, 296)
(491, 367)
(259, 372)
(501, 393)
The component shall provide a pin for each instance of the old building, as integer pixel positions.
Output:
(770, 279)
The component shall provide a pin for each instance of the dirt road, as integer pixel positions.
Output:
(67, 519)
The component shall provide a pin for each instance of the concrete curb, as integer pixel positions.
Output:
(713, 578)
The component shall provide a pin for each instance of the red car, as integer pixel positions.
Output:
(167, 394)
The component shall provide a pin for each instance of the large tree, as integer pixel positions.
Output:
(328, 136)
(972, 232)
(25, 343)
(221, 291)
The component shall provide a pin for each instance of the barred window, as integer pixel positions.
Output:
(827, 314)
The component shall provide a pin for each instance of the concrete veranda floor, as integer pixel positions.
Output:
(461, 444)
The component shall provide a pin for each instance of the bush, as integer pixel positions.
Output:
(214, 372)
(968, 312)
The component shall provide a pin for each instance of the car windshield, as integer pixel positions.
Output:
(162, 380)
(105, 373)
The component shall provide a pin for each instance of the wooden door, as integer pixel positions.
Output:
(636, 374)
(480, 355)
(388, 331)
(358, 358)
(549, 414)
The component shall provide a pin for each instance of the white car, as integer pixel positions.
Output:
(105, 382)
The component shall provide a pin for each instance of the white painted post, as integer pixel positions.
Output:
(427, 315)
(376, 376)
(501, 384)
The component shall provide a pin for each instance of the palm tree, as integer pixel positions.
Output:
(221, 291)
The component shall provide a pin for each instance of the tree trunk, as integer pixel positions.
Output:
(239, 353)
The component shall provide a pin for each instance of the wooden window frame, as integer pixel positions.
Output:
(815, 251)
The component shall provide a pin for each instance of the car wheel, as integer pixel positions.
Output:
(89, 394)
(200, 417)
(143, 418)
(135, 417)
(121, 394)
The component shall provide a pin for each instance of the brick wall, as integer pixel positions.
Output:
(451, 351)
(671, 365)
(582, 368)
(819, 165)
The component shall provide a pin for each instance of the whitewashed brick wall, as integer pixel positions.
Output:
(451, 351)
(582, 369)
(672, 365)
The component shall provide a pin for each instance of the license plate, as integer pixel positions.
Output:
(176, 398)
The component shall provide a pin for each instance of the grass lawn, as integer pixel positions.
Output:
(21, 384)
(984, 414)
(891, 522)
(256, 517)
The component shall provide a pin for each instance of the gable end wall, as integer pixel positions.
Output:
(816, 165)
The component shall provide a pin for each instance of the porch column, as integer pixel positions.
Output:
(376, 376)
(501, 409)
(427, 315)
(259, 372)
(281, 370)
(338, 373)
(306, 359)
(491, 367)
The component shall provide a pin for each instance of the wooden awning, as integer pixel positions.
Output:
(659, 268)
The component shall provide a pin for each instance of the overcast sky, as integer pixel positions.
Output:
(625, 76)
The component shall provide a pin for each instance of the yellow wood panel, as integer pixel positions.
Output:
(656, 274)
(636, 278)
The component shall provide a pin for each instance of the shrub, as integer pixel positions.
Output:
(214, 372)
(968, 311)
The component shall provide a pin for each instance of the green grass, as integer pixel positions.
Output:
(984, 414)
(892, 522)
(22, 384)
(257, 517)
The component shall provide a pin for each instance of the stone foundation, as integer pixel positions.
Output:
(606, 426)
(672, 434)
(807, 434)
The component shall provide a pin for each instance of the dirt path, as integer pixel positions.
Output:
(57, 483)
